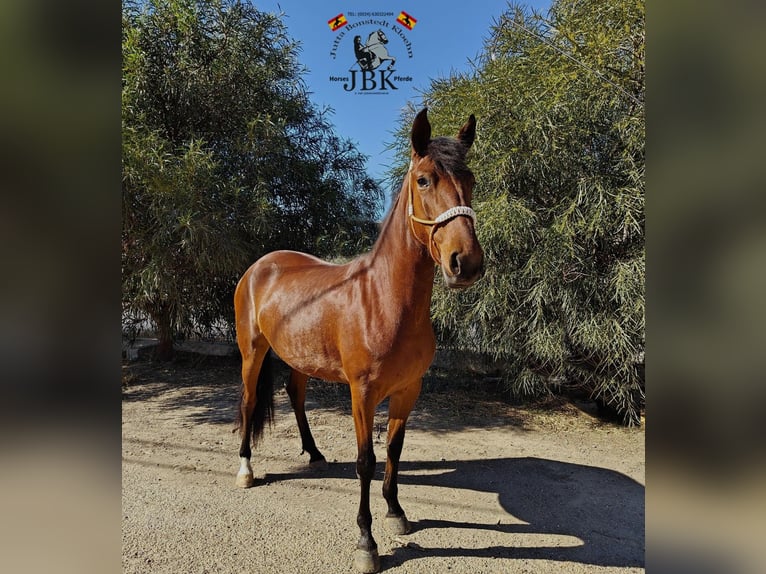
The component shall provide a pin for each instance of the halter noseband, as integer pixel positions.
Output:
(448, 215)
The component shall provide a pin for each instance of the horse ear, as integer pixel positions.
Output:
(421, 133)
(468, 132)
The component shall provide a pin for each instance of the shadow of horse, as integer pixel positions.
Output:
(602, 508)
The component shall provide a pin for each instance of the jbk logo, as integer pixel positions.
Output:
(372, 69)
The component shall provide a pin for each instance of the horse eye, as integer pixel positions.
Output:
(422, 182)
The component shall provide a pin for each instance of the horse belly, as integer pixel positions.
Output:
(305, 341)
(314, 360)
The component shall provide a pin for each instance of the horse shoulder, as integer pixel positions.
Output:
(379, 330)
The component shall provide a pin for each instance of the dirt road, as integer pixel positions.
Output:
(489, 488)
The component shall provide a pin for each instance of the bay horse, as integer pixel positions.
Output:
(366, 323)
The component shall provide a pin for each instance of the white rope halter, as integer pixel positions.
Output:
(451, 213)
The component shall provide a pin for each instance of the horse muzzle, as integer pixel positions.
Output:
(463, 269)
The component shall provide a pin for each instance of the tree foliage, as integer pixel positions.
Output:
(560, 199)
(224, 159)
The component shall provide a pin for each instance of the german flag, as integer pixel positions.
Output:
(337, 23)
(406, 20)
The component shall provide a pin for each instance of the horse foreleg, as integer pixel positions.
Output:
(366, 558)
(399, 409)
(296, 390)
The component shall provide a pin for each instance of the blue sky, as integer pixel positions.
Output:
(444, 39)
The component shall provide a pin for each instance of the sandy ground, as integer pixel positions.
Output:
(489, 487)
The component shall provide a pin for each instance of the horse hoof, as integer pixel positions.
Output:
(366, 562)
(320, 464)
(398, 525)
(245, 480)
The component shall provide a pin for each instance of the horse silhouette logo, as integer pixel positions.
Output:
(373, 53)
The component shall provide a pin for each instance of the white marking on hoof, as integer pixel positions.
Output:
(245, 475)
(398, 525)
(366, 562)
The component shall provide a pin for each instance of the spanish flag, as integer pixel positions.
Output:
(337, 23)
(406, 20)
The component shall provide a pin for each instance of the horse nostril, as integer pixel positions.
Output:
(454, 264)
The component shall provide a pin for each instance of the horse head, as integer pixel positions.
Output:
(440, 189)
(377, 37)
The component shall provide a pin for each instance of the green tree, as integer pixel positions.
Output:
(560, 198)
(224, 159)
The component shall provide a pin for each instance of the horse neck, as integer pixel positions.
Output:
(401, 263)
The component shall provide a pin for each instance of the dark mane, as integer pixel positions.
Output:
(449, 155)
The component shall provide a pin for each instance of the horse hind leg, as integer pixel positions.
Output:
(256, 405)
(296, 390)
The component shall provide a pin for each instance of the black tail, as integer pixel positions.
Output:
(264, 402)
(264, 398)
